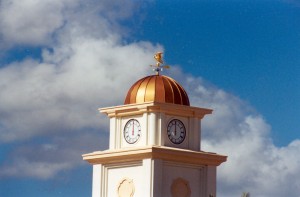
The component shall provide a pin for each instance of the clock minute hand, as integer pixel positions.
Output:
(175, 128)
(132, 128)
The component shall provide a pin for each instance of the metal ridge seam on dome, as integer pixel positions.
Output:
(140, 95)
(186, 95)
(179, 90)
(160, 90)
(182, 90)
(173, 99)
(134, 91)
(128, 96)
(149, 89)
(176, 91)
(132, 94)
(154, 96)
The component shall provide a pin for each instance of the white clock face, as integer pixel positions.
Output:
(176, 131)
(132, 131)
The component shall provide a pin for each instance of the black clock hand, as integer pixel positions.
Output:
(175, 128)
(132, 128)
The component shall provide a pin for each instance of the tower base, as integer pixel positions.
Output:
(154, 171)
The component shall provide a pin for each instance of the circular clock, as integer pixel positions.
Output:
(132, 131)
(176, 131)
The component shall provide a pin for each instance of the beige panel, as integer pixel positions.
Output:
(193, 175)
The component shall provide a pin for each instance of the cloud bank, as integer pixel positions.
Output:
(49, 105)
(52, 100)
(254, 163)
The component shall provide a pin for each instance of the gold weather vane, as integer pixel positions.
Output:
(158, 57)
(159, 61)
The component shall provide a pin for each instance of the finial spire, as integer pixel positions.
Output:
(159, 61)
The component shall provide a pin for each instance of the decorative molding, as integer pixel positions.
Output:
(126, 188)
(171, 109)
(155, 152)
(180, 188)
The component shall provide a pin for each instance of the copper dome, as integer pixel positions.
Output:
(157, 88)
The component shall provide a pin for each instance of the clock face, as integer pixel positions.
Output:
(176, 131)
(132, 131)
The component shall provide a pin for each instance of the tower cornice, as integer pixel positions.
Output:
(155, 152)
(140, 108)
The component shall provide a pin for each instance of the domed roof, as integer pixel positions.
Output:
(157, 88)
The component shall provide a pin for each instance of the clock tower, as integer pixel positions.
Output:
(155, 144)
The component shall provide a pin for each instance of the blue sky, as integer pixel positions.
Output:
(249, 48)
(61, 60)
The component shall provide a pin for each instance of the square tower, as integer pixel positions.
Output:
(155, 145)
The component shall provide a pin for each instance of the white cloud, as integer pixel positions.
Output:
(42, 170)
(35, 22)
(59, 152)
(30, 21)
(58, 95)
(254, 163)
(61, 94)
(82, 71)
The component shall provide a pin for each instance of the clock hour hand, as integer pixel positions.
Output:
(132, 128)
(175, 128)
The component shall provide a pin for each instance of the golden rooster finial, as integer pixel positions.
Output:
(158, 57)
(158, 67)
